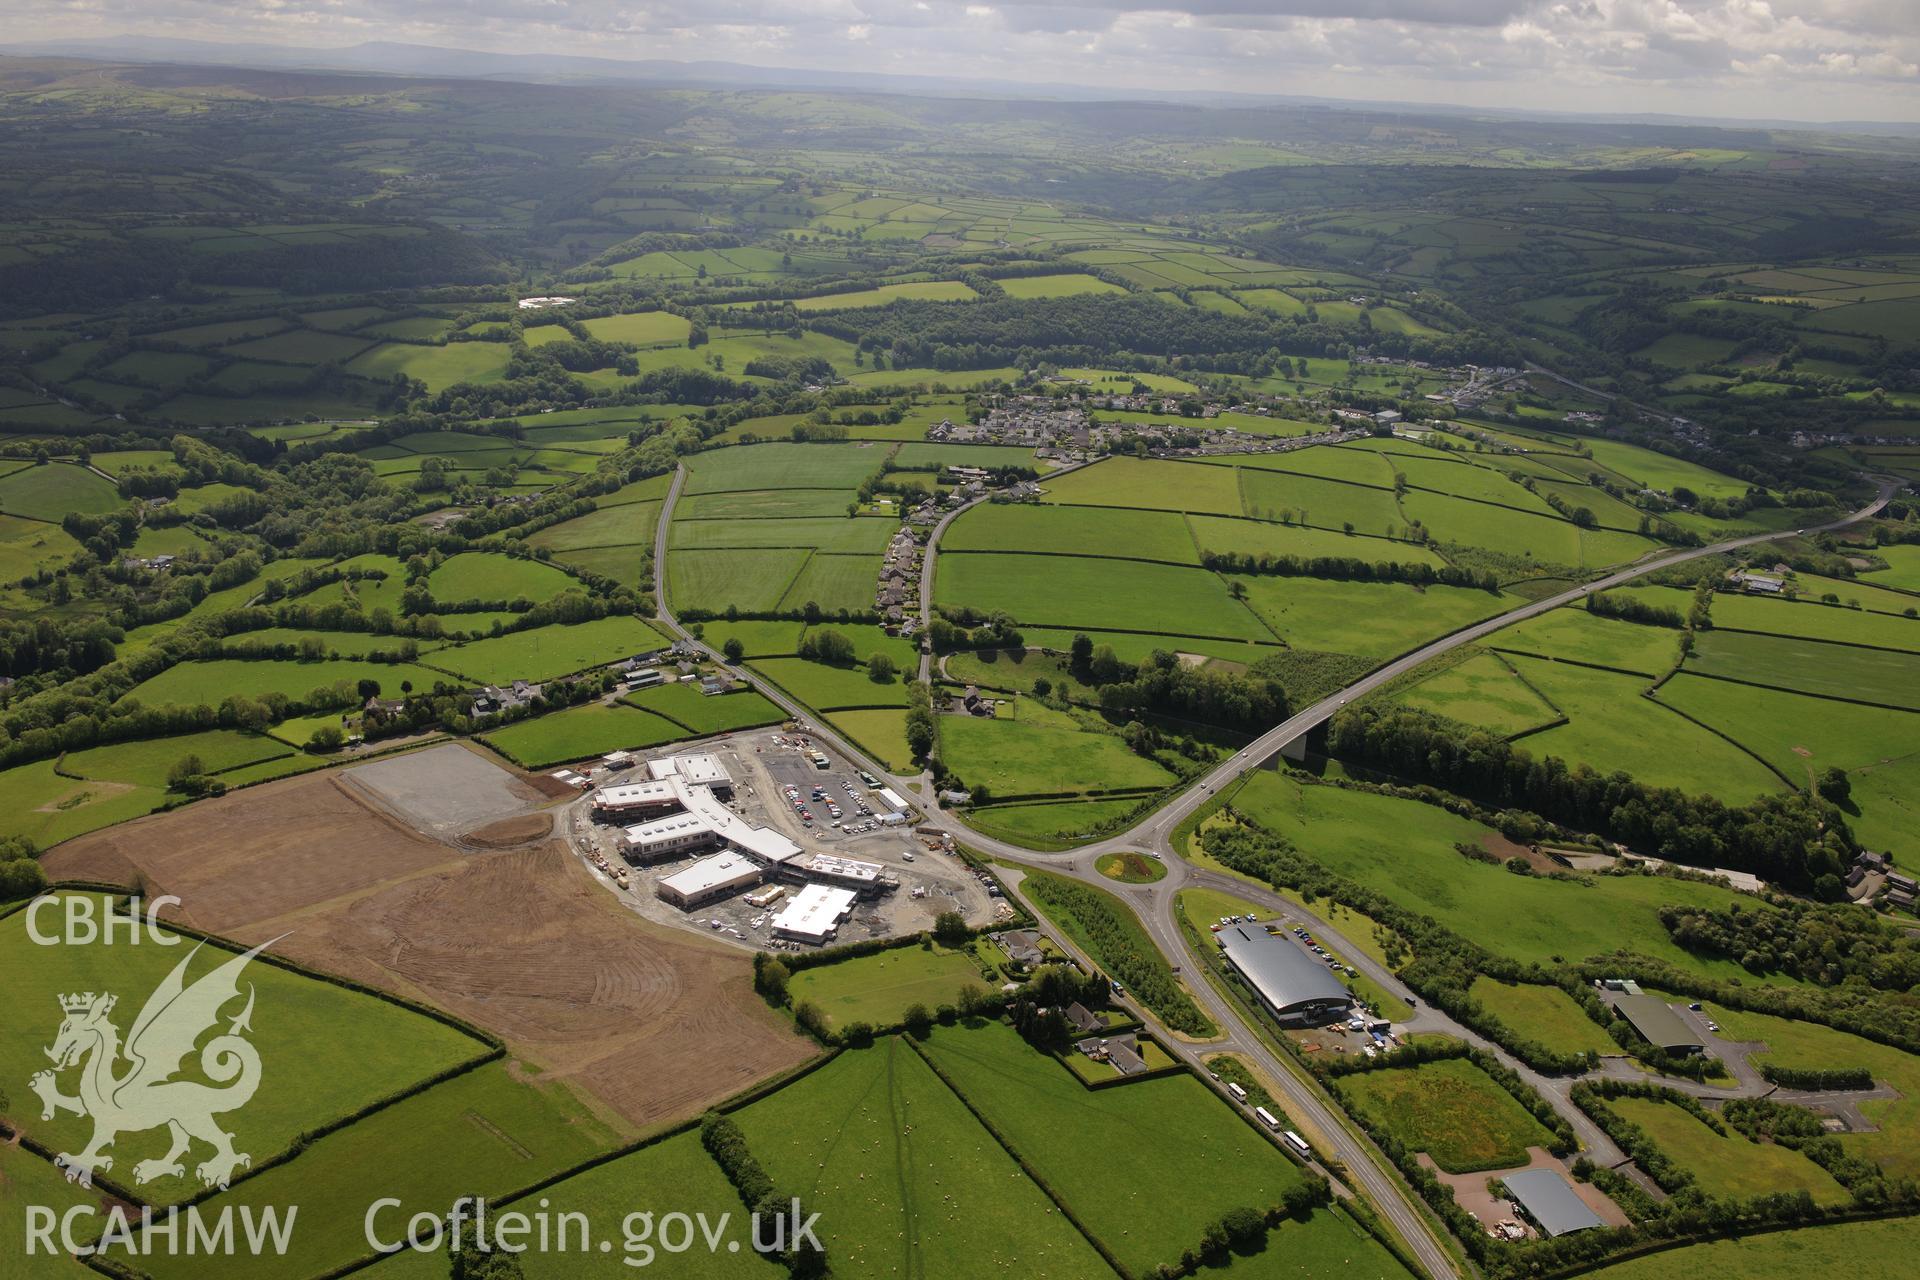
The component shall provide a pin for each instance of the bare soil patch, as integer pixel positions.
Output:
(1472, 1191)
(1502, 848)
(259, 854)
(508, 832)
(651, 1023)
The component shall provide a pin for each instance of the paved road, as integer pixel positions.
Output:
(1156, 904)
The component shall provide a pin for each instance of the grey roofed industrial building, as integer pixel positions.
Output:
(1294, 985)
(1658, 1024)
(1551, 1202)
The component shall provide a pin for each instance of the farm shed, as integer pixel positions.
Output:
(709, 878)
(1547, 1198)
(1658, 1024)
(1297, 988)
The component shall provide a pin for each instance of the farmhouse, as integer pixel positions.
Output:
(1546, 1198)
(814, 914)
(1658, 1024)
(1295, 987)
(708, 879)
(1021, 945)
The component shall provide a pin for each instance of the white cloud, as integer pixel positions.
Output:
(1812, 58)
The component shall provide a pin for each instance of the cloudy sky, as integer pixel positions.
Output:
(1799, 59)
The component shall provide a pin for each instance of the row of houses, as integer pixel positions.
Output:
(896, 594)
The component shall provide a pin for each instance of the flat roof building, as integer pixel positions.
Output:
(1658, 1024)
(862, 877)
(893, 799)
(815, 913)
(695, 768)
(707, 879)
(763, 843)
(1547, 1198)
(668, 837)
(636, 797)
(1295, 987)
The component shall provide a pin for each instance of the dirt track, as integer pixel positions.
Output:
(652, 1023)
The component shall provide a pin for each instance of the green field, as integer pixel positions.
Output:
(487, 575)
(834, 584)
(1731, 1166)
(628, 524)
(1544, 1014)
(905, 1179)
(1081, 591)
(826, 688)
(145, 763)
(325, 1051)
(706, 713)
(1088, 531)
(544, 653)
(1325, 504)
(880, 732)
(580, 733)
(1450, 1109)
(1894, 1141)
(1166, 486)
(1373, 619)
(836, 534)
(1796, 733)
(1043, 752)
(1610, 724)
(1056, 286)
(1403, 850)
(1902, 571)
(1091, 1144)
(438, 367)
(485, 1133)
(876, 989)
(1574, 633)
(26, 1179)
(208, 683)
(1813, 621)
(1483, 690)
(643, 329)
(52, 492)
(1258, 537)
(751, 581)
(783, 466)
(1811, 666)
(1877, 1250)
(1048, 823)
(924, 291)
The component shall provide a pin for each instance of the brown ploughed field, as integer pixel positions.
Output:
(650, 1022)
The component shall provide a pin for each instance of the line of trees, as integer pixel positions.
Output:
(1790, 839)
(1349, 569)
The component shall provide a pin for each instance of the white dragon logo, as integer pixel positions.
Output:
(145, 1095)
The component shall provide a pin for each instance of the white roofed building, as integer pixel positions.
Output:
(668, 837)
(708, 879)
(814, 914)
(636, 797)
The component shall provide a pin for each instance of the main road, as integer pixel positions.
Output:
(1157, 906)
